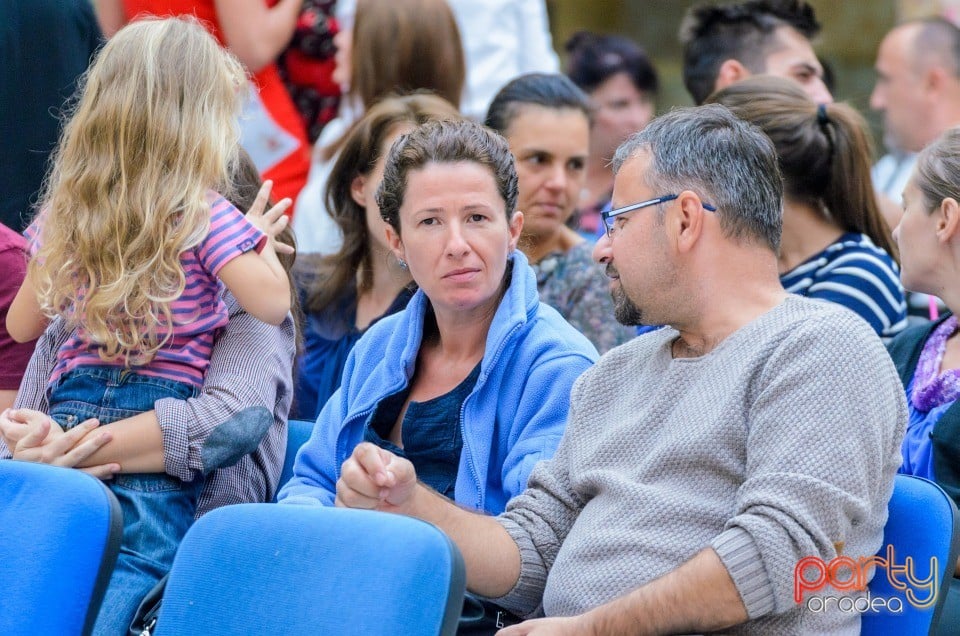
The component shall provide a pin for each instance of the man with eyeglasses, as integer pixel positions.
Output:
(703, 461)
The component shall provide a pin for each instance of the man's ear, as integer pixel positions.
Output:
(948, 221)
(687, 220)
(730, 72)
(356, 190)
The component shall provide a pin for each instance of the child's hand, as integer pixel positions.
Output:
(273, 221)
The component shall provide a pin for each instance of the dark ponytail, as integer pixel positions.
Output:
(824, 152)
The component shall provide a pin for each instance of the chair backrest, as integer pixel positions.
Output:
(286, 569)
(923, 524)
(298, 432)
(61, 531)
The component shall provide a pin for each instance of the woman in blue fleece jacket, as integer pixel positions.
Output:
(472, 380)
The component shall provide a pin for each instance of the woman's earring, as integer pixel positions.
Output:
(403, 263)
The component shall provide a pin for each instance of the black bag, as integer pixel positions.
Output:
(482, 618)
(145, 620)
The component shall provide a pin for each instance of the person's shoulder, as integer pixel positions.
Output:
(548, 334)
(222, 210)
(10, 240)
(306, 270)
(819, 328)
(797, 311)
(853, 248)
(626, 359)
(387, 339)
(574, 269)
(914, 333)
(904, 344)
(582, 252)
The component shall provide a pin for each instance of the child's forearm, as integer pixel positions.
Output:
(275, 300)
(259, 285)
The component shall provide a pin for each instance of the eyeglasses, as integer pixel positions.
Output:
(608, 220)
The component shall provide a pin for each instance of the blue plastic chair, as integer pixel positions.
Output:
(61, 531)
(275, 569)
(923, 523)
(298, 432)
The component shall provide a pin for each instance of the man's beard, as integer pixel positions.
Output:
(624, 310)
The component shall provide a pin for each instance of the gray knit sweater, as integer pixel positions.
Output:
(779, 444)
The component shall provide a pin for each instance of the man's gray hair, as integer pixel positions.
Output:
(728, 162)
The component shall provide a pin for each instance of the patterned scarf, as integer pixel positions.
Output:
(931, 388)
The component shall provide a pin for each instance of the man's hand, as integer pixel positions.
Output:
(31, 436)
(572, 626)
(375, 479)
(15, 424)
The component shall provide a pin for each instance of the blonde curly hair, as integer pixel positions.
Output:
(154, 130)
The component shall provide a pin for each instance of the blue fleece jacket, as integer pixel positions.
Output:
(513, 418)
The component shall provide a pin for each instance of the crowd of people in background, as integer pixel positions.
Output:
(635, 366)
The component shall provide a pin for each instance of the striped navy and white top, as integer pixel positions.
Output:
(857, 274)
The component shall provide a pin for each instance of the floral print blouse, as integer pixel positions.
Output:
(577, 287)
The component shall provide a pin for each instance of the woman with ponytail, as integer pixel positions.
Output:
(836, 245)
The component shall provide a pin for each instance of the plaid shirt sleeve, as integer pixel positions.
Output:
(235, 431)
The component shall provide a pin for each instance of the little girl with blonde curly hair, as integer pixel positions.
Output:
(133, 242)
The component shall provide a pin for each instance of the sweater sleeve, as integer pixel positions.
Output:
(812, 480)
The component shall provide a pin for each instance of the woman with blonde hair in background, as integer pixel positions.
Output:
(132, 242)
(346, 293)
(836, 245)
(393, 47)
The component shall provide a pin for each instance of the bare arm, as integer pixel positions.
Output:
(259, 282)
(7, 396)
(110, 16)
(249, 369)
(136, 444)
(255, 33)
(697, 597)
(135, 441)
(376, 479)
(41, 441)
(25, 321)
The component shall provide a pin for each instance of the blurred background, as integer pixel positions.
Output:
(851, 33)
